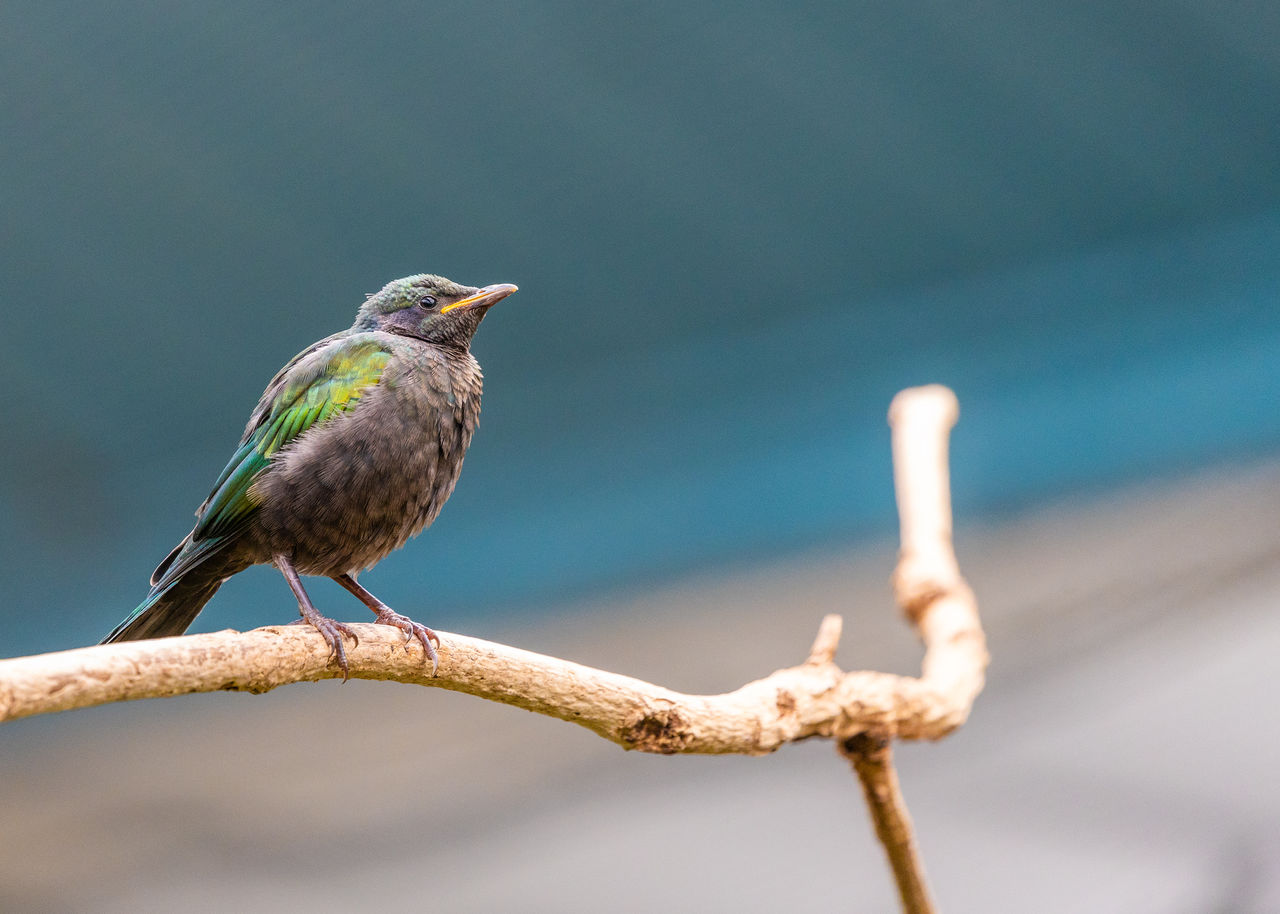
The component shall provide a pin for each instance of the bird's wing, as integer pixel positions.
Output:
(320, 383)
(326, 383)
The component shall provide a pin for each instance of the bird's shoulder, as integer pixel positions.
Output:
(325, 380)
(334, 368)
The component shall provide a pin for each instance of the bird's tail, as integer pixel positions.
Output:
(170, 609)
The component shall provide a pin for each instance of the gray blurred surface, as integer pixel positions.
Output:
(1122, 758)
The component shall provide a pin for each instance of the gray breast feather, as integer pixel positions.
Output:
(346, 493)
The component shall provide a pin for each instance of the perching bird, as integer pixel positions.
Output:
(354, 447)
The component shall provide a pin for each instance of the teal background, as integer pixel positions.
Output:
(738, 230)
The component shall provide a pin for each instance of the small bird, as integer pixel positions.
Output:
(353, 448)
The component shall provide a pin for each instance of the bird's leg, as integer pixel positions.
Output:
(331, 631)
(388, 616)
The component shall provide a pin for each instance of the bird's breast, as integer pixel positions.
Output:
(347, 493)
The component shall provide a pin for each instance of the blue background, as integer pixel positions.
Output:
(737, 231)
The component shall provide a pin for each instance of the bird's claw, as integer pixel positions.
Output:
(411, 631)
(332, 632)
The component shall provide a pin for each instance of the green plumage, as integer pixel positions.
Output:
(352, 366)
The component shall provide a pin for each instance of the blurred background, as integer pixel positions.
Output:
(738, 231)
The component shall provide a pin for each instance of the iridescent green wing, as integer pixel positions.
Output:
(320, 384)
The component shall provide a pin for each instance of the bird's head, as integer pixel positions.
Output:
(430, 308)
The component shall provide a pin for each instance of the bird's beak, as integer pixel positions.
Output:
(489, 295)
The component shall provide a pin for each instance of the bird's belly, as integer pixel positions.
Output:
(346, 495)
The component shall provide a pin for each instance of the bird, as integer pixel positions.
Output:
(353, 448)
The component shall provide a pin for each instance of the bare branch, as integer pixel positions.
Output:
(815, 698)
(827, 641)
(788, 705)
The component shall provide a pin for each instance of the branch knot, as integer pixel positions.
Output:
(661, 730)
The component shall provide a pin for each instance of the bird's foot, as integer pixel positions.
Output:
(332, 632)
(411, 629)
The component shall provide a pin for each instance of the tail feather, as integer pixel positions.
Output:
(169, 610)
(169, 559)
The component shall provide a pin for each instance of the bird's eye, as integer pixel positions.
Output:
(427, 301)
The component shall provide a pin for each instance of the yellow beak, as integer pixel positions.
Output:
(489, 295)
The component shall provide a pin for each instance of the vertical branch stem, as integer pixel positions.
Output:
(937, 601)
(872, 759)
